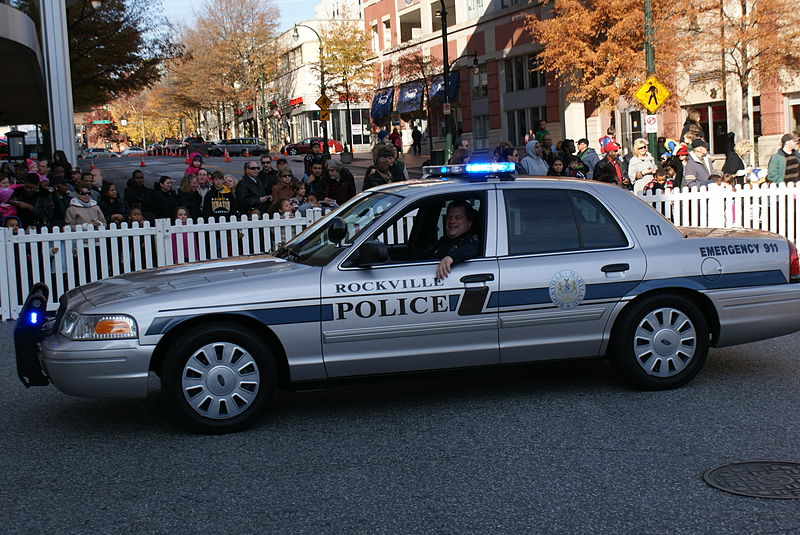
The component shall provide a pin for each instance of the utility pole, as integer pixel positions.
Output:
(650, 63)
(325, 149)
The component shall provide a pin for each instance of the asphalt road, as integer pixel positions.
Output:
(531, 451)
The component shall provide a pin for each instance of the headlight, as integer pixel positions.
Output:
(105, 327)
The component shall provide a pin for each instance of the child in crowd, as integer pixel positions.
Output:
(299, 197)
(6, 191)
(135, 217)
(573, 169)
(187, 239)
(660, 182)
(230, 181)
(195, 165)
(282, 207)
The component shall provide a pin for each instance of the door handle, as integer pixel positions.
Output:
(613, 268)
(478, 277)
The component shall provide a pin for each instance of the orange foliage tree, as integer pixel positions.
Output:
(595, 48)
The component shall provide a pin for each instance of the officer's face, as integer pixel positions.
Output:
(456, 222)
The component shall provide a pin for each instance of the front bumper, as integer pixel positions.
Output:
(95, 369)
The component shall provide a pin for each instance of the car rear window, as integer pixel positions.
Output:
(544, 221)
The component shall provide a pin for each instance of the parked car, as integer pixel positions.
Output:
(133, 151)
(550, 269)
(173, 144)
(3, 149)
(304, 146)
(197, 144)
(93, 154)
(155, 148)
(237, 146)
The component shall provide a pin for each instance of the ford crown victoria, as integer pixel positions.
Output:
(560, 269)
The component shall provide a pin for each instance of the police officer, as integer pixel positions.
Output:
(459, 242)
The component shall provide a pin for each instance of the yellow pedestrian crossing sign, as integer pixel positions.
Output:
(323, 102)
(652, 94)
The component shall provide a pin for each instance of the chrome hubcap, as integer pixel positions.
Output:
(220, 380)
(665, 342)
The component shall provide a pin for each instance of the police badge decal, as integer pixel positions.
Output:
(567, 289)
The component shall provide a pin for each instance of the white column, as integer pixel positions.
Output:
(57, 76)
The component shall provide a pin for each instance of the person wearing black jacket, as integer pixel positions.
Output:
(339, 184)
(189, 197)
(251, 193)
(165, 202)
(608, 169)
(220, 200)
(60, 198)
(34, 207)
(137, 195)
(459, 242)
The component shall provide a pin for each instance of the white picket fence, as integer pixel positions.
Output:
(67, 259)
(771, 207)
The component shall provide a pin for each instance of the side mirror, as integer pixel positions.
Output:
(371, 253)
(337, 230)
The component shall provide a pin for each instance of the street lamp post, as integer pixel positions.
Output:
(448, 135)
(296, 34)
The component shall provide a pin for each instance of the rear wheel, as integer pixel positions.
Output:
(218, 379)
(660, 342)
(293, 151)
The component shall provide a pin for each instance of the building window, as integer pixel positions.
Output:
(474, 9)
(535, 72)
(520, 121)
(523, 72)
(509, 3)
(376, 47)
(480, 82)
(480, 129)
(387, 33)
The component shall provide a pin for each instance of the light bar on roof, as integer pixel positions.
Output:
(491, 167)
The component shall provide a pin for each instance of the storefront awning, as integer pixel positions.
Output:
(382, 103)
(437, 87)
(409, 98)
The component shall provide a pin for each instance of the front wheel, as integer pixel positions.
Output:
(218, 379)
(660, 342)
(293, 151)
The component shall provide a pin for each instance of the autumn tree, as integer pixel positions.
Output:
(152, 112)
(228, 64)
(751, 41)
(115, 49)
(347, 71)
(603, 61)
(107, 131)
(417, 66)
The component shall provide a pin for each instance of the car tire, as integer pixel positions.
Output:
(660, 342)
(293, 151)
(218, 378)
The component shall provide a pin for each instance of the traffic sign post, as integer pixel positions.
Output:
(652, 95)
(323, 102)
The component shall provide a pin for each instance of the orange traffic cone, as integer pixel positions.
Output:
(187, 157)
(141, 162)
(246, 153)
(227, 156)
(91, 166)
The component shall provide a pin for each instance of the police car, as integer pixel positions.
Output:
(565, 269)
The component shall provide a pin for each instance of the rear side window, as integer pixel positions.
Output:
(545, 221)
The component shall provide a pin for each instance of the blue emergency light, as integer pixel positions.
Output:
(491, 167)
(33, 318)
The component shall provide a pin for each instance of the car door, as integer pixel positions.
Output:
(399, 317)
(565, 262)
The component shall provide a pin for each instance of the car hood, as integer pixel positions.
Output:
(216, 282)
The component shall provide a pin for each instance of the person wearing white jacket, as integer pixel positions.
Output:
(642, 166)
(83, 209)
(533, 162)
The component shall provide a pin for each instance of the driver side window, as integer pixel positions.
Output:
(413, 235)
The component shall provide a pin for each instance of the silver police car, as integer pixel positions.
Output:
(464, 269)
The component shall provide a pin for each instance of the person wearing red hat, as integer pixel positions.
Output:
(678, 164)
(608, 169)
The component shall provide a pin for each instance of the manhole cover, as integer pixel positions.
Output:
(757, 479)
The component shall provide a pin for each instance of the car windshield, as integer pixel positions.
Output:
(313, 247)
